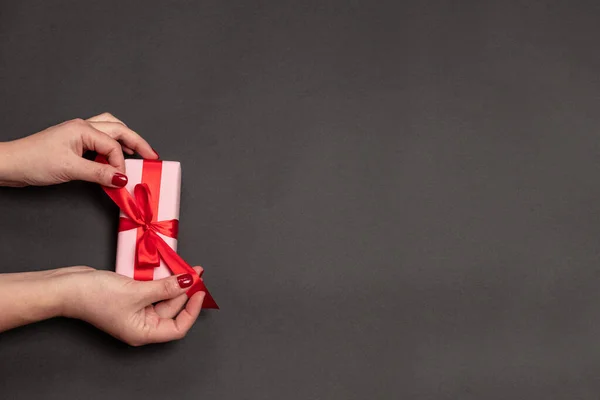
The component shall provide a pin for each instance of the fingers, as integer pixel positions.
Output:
(107, 117)
(103, 144)
(170, 308)
(91, 171)
(164, 289)
(170, 297)
(173, 329)
(107, 123)
(130, 139)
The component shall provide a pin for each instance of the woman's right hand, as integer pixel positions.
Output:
(136, 312)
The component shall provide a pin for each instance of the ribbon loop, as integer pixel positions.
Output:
(143, 200)
(168, 228)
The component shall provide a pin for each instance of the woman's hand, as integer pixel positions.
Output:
(124, 307)
(135, 312)
(55, 155)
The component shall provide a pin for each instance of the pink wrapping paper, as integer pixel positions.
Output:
(168, 208)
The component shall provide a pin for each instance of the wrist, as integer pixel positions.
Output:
(68, 297)
(63, 298)
(59, 295)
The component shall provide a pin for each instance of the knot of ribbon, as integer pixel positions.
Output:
(150, 247)
(141, 216)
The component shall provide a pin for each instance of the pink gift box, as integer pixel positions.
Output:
(168, 208)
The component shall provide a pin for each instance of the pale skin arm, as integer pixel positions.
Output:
(54, 155)
(132, 311)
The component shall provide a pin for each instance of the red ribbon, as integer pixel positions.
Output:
(150, 247)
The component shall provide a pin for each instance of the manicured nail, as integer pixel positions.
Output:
(185, 280)
(155, 152)
(201, 272)
(119, 180)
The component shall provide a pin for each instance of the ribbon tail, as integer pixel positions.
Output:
(178, 266)
(126, 224)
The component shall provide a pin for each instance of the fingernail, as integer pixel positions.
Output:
(119, 180)
(155, 152)
(201, 272)
(185, 280)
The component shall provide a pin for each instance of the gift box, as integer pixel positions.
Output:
(166, 190)
(148, 224)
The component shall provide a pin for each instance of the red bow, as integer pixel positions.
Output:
(150, 246)
(140, 212)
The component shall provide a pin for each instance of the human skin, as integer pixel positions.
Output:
(135, 312)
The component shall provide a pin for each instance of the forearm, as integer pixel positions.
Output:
(10, 166)
(30, 297)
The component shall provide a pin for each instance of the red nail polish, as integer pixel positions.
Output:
(185, 280)
(155, 152)
(119, 180)
(201, 272)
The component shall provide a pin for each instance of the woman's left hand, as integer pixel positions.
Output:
(55, 155)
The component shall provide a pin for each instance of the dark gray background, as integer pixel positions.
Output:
(391, 200)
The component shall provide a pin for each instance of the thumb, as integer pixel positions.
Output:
(92, 171)
(166, 288)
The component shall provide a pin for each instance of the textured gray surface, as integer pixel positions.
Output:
(391, 200)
